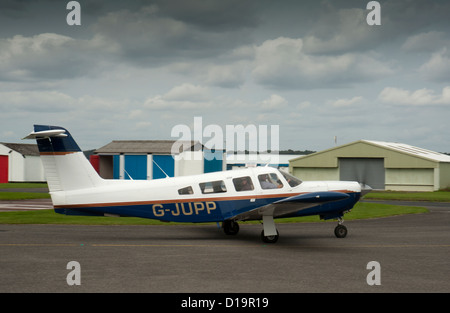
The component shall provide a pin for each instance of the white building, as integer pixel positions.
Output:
(240, 160)
(20, 163)
(154, 159)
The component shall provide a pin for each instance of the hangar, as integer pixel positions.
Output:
(280, 161)
(381, 165)
(20, 163)
(153, 159)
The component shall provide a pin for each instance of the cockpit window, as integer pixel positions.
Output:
(213, 187)
(186, 191)
(292, 180)
(269, 181)
(243, 183)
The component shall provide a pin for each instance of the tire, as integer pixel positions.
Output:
(269, 239)
(340, 231)
(230, 227)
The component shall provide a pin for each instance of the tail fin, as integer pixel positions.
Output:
(66, 168)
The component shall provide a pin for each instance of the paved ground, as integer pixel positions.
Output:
(412, 251)
(25, 205)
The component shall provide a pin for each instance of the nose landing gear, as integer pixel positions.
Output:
(269, 239)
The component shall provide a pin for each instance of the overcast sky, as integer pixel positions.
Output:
(136, 69)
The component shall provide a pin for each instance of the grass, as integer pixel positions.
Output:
(360, 211)
(23, 195)
(436, 196)
(22, 185)
(50, 217)
(16, 194)
(364, 210)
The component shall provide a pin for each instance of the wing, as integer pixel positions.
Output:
(292, 204)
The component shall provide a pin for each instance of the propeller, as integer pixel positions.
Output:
(361, 178)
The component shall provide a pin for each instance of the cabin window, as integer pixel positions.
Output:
(213, 187)
(243, 183)
(292, 180)
(186, 191)
(269, 181)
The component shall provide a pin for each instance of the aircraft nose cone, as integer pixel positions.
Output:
(365, 189)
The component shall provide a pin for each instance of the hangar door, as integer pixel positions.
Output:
(164, 162)
(369, 171)
(136, 166)
(3, 168)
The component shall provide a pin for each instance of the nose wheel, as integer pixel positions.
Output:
(269, 239)
(340, 231)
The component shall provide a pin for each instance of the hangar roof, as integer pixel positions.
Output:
(404, 148)
(147, 146)
(329, 157)
(23, 148)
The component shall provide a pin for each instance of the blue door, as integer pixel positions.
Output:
(135, 166)
(166, 163)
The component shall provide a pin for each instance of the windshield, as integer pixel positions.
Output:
(292, 180)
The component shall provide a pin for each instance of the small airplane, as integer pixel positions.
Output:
(255, 193)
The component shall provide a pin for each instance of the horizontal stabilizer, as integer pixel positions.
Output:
(66, 168)
(51, 139)
(47, 134)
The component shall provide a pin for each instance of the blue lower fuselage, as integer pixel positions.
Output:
(204, 210)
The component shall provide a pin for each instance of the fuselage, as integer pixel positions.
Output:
(211, 197)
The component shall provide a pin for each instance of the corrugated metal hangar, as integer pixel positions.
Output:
(152, 159)
(381, 165)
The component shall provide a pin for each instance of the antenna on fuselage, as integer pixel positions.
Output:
(167, 176)
(128, 174)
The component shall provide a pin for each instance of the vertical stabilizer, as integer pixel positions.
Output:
(66, 168)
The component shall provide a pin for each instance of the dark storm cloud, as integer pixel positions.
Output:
(230, 60)
(217, 15)
(13, 8)
(333, 27)
(165, 32)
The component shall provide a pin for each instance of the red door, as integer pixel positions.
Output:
(95, 162)
(3, 168)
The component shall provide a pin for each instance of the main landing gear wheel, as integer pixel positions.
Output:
(269, 239)
(230, 227)
(340, 231)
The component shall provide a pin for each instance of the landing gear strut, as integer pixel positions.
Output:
(340, 231)
(269, 233)
(230, 227)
